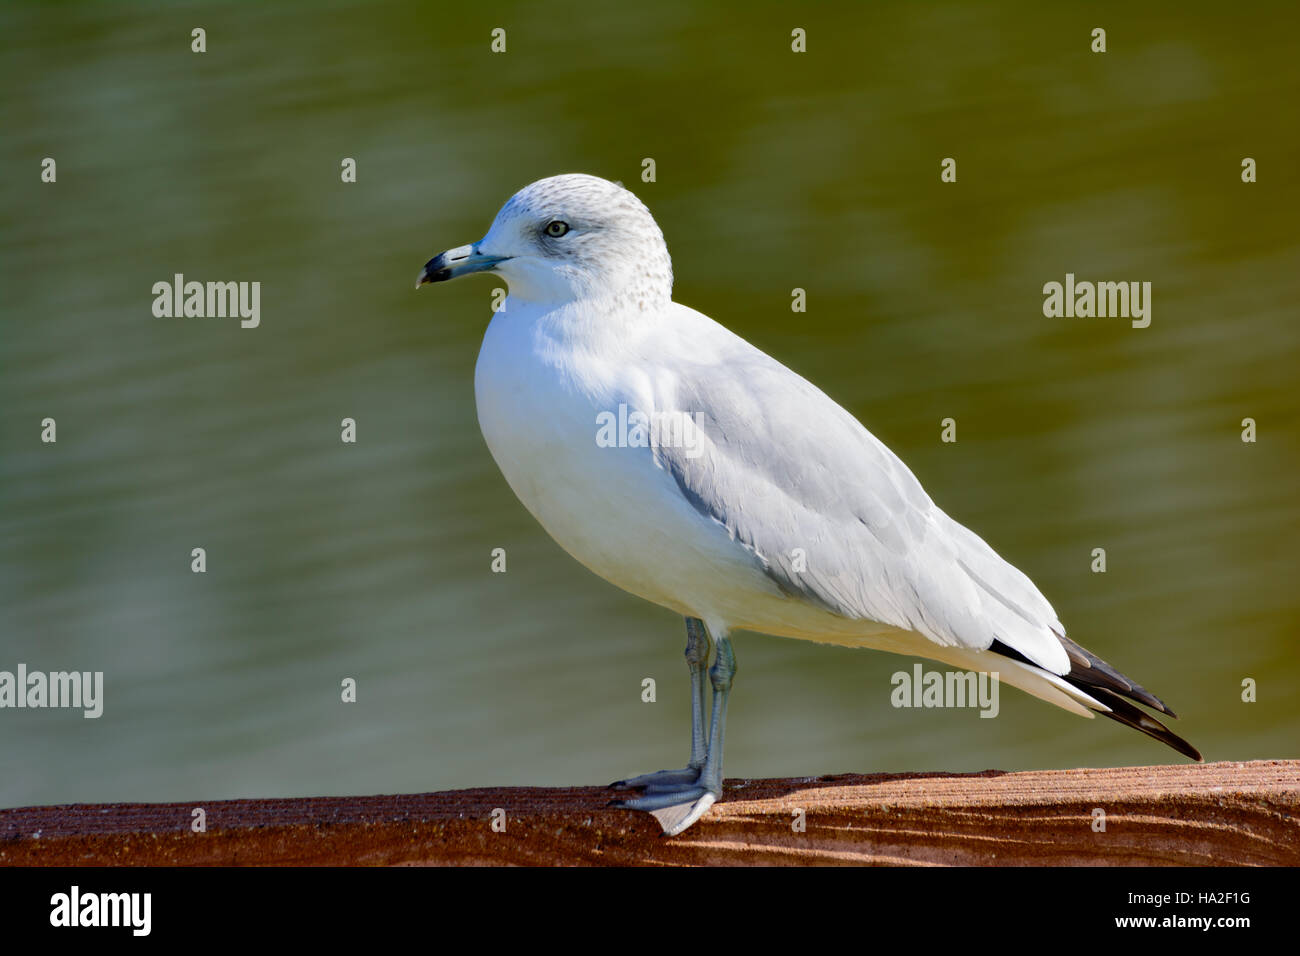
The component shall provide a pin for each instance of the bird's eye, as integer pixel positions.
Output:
(555, 228)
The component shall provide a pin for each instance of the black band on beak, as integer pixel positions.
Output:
(457, 262)
(435, 270)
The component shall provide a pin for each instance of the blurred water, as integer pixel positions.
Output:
(775, 170)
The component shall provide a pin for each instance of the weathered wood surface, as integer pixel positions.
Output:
(1210, 814)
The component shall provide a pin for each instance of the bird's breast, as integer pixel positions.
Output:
(555, 420)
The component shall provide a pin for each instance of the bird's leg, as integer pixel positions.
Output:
(697, 661)
(678, 809)
(720, 675)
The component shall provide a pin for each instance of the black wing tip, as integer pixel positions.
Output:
(1090, 674)
(1128, 715)
(1088, 669)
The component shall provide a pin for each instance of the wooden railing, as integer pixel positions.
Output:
(1211, 814)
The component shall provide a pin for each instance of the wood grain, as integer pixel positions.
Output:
(1210, 814)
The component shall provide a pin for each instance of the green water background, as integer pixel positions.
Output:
(775, 170)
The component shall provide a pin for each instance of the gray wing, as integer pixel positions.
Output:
(834, 516)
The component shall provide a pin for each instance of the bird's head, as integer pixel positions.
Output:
(567, 238)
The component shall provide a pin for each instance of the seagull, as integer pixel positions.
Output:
(758, 504)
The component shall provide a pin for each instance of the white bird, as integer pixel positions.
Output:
(769, 509)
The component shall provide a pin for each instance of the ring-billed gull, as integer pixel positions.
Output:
(679, 462)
